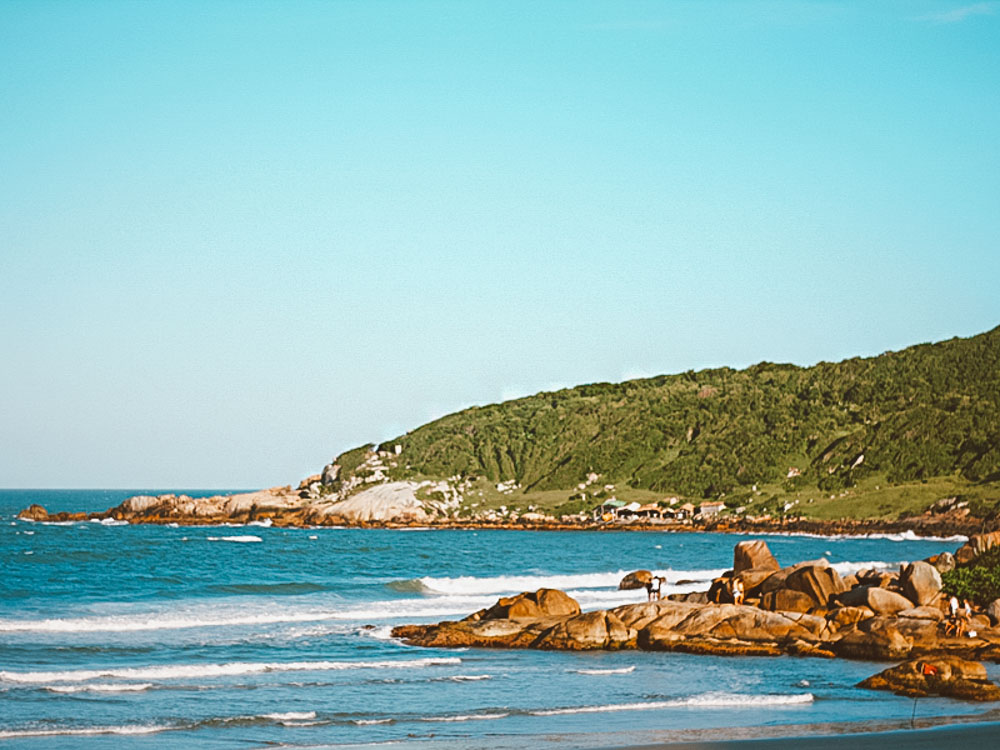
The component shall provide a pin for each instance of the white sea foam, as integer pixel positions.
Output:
(65, 731)
(706, 700)
(368, 722)
(470, 677)
(131, 687)
(902, 536)
(466, 717)
(266, 523)
(240, 538)
(470, 585)
(229, 669)
(109, 521)
(622, 670)
(291, 716)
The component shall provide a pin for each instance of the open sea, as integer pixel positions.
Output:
(250, 636)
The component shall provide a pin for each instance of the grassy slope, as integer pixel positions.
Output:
(926, 421)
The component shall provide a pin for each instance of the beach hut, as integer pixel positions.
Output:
(649, 510)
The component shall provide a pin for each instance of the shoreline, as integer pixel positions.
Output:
(919, 527)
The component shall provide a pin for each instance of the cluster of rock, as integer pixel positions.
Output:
(807, 609)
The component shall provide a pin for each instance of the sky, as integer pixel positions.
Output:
(238, 238)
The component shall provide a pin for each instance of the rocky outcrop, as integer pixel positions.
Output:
(804, 610)
(392, 501)
(533, 605)
(977, 545)
(818, 581)
(34, 512)
(921, 582)
(635, 580)
(993, 611)
(948, 676)
(753, 554)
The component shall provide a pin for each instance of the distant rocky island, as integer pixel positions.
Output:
(906, 440)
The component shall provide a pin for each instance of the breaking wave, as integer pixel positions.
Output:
(706, 700)
(182, 671)
(621, 670)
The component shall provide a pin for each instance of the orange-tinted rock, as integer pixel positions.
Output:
(635, 580)
(532, 605)
(589, 631)
(881, 644)
(949, 676)
(820, 582)
(34, 512)
(786, 600)
(921, 582)
(844, 616)
(753, 554)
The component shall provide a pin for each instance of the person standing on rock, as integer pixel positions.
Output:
(657, 593)
(737, 591)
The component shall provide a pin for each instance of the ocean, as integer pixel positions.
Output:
(114, 635)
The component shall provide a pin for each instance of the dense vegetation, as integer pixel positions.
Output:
(928, 411)
(978, 581)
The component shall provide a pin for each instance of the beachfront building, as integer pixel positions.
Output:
(649, 510)
(711, 508)
(609, 509)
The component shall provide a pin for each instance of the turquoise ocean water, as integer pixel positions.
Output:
(250, 636)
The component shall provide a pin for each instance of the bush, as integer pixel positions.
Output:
(978, 581)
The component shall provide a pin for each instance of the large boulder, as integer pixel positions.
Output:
(533, 605)
(948, 676)
(881, 643)
(994, 612)
(753, 554)
(34, 512)
(592, 630)
(977, 545)
(921, 582)
(879, 600)
(786, 600)
(944, 562)
(635, 580)
(821, 582)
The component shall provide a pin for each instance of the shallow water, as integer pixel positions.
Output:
(246, 636)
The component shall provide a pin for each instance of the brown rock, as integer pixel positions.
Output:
(844, 616)
(589, 631)
(948, 676)
(877, 599)
(921, 582)
(922, 613)
(532, 605)
(884, 643)
(994, 612)
(753, 554)
(885, 602)
(786, 600)
(820, 582)
(977, 545)
(753, 578)
(944, 562)
(635, 580)
(34, 512)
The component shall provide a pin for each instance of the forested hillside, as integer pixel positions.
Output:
(928, 411)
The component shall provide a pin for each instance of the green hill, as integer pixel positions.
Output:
(927, 416)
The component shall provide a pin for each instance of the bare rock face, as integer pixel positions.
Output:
(34, 512)
(949, 676)
(592, 630)
(879, 600)
(921, 582)
(943, 562)
(845, 616)
(635, 580)
(977, 545)
(882, 643)
(753, 554)
(787, 600)
(821, 582)
(533, 605)
(994, 611)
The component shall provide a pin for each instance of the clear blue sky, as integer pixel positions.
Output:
(237, 238)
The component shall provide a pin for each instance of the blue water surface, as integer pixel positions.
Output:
(251, 636)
